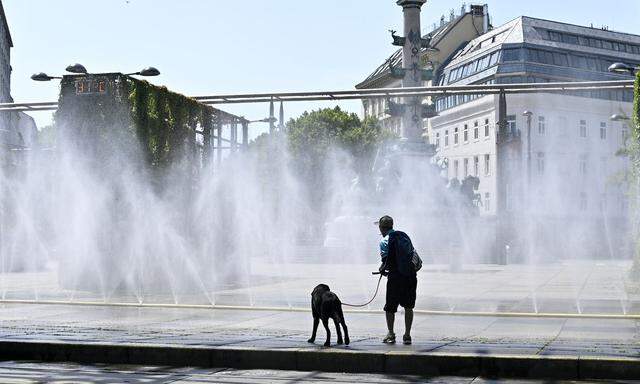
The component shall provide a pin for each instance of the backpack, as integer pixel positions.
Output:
(407, 259)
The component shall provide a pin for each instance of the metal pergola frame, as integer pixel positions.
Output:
(376, 93)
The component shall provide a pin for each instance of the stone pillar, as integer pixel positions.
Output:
(207, 143)
(272, 125)
(234, 136)
(412, 116)
(219, 143)
(281, 117)
(245, 134)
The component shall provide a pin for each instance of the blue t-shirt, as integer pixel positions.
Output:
(384, 246)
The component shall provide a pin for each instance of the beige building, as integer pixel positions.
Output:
(548, 180)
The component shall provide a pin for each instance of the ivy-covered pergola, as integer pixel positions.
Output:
(111, 111)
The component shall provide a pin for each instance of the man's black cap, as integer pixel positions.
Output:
(385, 222)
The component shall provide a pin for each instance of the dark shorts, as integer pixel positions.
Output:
(401, 290)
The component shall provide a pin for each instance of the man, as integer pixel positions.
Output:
(395, 253)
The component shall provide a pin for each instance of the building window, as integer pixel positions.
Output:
(437, 139)
(541, 125)
(455, 136)
(603, 131)
(455, 168)
(583, 201)
(583, 128)
(583, 164)
(486, 127)
(562, 125)
(487, 168)
(466, 167)
(487, 201)
(475, 130)
(540, 163)
(476, 165)
(511, 124)
(465, 133)
(446, 138)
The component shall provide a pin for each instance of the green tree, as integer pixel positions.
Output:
(632, 150)
(47, 136)
(311, 139)
(630, 178)
(312, 135)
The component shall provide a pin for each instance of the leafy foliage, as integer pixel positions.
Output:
(311, 136)
(632, 151)
(133, 115)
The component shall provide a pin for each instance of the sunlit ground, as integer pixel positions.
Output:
(567, 287)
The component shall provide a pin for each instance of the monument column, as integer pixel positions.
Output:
(412, 116)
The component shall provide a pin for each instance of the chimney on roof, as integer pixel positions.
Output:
(481, 11)
(452, 14)
(442, 20)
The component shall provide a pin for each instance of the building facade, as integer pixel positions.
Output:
(445, 39)
(17, 130)
(550, 179)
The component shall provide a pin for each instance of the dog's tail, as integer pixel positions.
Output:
(368, 302)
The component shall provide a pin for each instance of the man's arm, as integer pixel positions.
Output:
(384, 252)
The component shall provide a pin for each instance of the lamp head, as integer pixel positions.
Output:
(77, 68)
(621, 68)
(149, 71)
(41, 76)
(618, 117)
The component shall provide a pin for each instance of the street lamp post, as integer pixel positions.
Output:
(528, 115)
(623, 68)
(41, 76)
(527, 193)
(81, 70)
(619, 117)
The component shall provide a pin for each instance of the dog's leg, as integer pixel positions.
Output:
(346, 332)
(344, 326)
(315, 329)
(325, 323)
(337, 324)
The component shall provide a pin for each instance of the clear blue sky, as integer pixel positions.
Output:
(240, 46)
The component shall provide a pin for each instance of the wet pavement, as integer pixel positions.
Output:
(286, 330)
(572, 286)
(30, 372)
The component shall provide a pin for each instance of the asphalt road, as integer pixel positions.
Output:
(34, 372)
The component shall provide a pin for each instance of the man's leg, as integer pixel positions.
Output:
(391, 317)
(408, 320)
(390, 308)
(409, 304)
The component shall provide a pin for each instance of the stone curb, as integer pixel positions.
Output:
(328, 360)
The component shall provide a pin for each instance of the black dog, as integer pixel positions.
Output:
(325, 305)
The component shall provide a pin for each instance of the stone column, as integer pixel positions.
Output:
(412, 117)
(281, 117)
(219, 143)
(245, 134)
(234, 136)
(272, 117)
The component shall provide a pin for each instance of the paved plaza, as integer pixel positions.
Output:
(496, 340)
(281, 329)
(565, 287)
(40, 329)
